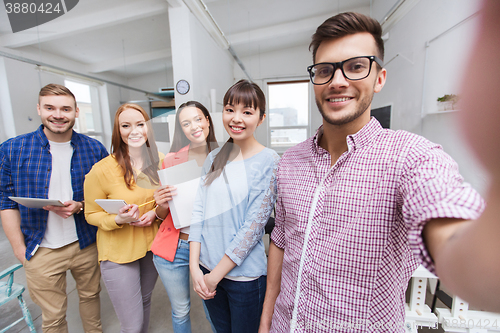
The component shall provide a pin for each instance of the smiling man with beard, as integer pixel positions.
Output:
(359, 206)
(51, 163)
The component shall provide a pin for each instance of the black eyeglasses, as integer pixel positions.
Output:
(357, 68)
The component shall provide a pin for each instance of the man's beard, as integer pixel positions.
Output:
(362, 107)
(68, 128)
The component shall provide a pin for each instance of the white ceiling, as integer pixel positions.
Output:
(131, 38)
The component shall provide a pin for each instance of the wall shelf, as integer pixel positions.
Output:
(441, 112)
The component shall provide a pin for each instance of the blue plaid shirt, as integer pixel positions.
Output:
(25, 170)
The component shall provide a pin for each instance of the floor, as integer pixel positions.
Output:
(160, 312)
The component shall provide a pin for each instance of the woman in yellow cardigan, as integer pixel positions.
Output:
(124, 239)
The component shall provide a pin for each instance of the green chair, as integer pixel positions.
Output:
(10, 290)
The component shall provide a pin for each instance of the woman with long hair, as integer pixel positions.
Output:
(194, 138)
(124, 239)
(228, 263)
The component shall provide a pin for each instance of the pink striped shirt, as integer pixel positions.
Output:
(354, 230)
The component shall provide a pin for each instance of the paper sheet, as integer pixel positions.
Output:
(186, 177)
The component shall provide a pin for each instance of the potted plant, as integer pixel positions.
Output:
(447, 102)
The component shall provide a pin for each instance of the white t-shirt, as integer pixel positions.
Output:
(60, 231)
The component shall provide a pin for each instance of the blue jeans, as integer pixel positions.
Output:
(175, 278)
(237, 306)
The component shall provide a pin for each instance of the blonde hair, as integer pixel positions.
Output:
(52, 89)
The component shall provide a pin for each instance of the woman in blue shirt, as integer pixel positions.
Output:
(237, 193)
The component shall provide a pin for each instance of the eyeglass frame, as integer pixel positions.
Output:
(340, 64)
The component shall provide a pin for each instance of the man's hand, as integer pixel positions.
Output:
(11, 222)
(20, 253)
(70, 207)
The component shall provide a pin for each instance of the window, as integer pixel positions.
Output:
(288, 112)
(87, 99)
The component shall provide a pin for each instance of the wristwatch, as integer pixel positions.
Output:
(82, 208)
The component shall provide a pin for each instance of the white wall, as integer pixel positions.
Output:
(446, 63)
(407, 41)
(24, 82)
(212, 67)
(151, 82)
(212, 71)
(7, 130)
(197, 58)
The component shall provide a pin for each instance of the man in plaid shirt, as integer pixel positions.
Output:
(51, 162)
(359, 206)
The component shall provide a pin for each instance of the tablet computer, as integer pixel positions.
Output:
(36, 202)
(112, 206)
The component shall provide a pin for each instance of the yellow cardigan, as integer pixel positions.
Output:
(117, 243)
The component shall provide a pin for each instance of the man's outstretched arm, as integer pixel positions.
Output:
(466, 255)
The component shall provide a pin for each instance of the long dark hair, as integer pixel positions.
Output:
(250, 95)
(119, 149)
(180, 140)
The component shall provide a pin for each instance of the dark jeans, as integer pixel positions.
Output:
(237, 306)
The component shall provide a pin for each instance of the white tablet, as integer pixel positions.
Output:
(112, 206)
(36, 202)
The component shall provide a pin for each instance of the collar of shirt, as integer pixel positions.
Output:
(75, 138)
(358, 140)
